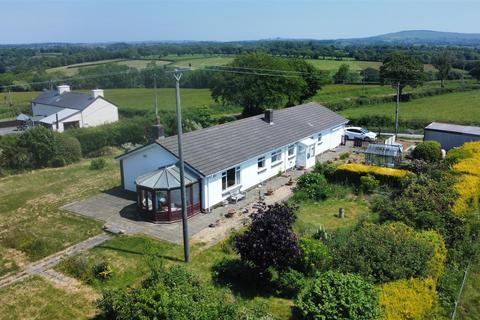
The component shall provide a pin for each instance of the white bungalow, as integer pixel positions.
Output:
(62, 109)
(235, 156)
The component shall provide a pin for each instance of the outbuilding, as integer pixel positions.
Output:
(451, 135)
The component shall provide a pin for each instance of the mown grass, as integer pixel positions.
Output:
(463, 107)
(38, 299)
(313, 215)
(32, 222)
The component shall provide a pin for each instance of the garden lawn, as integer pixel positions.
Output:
(127, 256)
(38, 299)
(32, 223)
(463, 108)
(313, 215)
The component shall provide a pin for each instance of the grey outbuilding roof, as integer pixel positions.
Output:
(165, 178)
(453, 128)
(220, 147)
(72, 100)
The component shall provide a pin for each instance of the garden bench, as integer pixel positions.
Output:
(236, 195)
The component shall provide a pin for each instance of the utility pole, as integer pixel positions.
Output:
(156, 97)
(186, 250)
(397, 109)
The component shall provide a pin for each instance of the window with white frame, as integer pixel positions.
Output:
(319, 138)
(276, 156)
(230, 178)
(291, 150)
(261, 163)
(310, 151)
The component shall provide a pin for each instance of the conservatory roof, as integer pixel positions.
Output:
(165, 178)
(384, 149)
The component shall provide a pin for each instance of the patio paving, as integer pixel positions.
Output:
(118, 208)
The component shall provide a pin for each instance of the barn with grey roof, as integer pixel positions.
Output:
(228, 159)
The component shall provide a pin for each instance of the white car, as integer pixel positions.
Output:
(352, 133)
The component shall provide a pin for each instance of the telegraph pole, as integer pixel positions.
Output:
(397, 109)
(186, 250)
(156, 96)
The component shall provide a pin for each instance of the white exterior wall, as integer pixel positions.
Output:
(99, 112)
(250, 176)
(144, 160)
(72, 118)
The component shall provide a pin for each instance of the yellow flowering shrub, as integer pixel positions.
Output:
(467, 186)
(437, 262)
(352, 172)
(408, 298)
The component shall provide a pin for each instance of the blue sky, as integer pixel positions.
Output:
(27, 21)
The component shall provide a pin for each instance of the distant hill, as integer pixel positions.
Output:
(419, 37)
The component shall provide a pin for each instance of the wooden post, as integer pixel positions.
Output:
(341, 213)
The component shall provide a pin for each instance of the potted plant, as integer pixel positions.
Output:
(269, 191)
(290, 181)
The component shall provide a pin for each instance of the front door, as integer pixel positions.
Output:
(301, 156)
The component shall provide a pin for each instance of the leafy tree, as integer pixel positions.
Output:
(39, 142)
(337, 296)
(342, 74)
(270, 241)
(371, 75)
(403, 69)
(314, 256)
(443, 63)
(382, 253)
(260, 80)
(475, 71)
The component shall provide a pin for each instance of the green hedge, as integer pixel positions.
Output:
(351, 173)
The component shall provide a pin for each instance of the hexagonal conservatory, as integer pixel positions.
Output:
(159, 196)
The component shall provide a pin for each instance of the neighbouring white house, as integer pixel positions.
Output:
(227, 158)
(63, 109)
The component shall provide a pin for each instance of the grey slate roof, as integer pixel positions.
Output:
(453, 128)
(165, 178)
(220, 147)
(71, 100)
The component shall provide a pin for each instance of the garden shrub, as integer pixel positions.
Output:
(98, 164)
(467, 186)
(57, 162)
(79, 267)
(382, 253)
(436, 264)
(103, 270)
(173, 293)
(368, 183)
(270, 241)
(430, 151)
(325, 168)
(344, 155)
(240, 275)
(412, 299)
(337, 296)
(313, 186)
(314, 255)
(67, 148)
(289, 283)
(351, 173)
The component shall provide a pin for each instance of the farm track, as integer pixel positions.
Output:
(42, 266)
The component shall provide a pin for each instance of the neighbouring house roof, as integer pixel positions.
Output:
(62, 114)
(165, 178)
(220, 147)
(453, 128)
(71, 100)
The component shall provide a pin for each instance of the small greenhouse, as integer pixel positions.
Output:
(384, 155)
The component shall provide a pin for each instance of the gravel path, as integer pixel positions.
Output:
(41, 266)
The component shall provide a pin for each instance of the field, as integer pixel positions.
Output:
(73, 69)
(32, 223)
(463, 107)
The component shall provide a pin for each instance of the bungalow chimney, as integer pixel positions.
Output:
(63, 88)
(268, 116)
(97, 93)
(157, 130)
